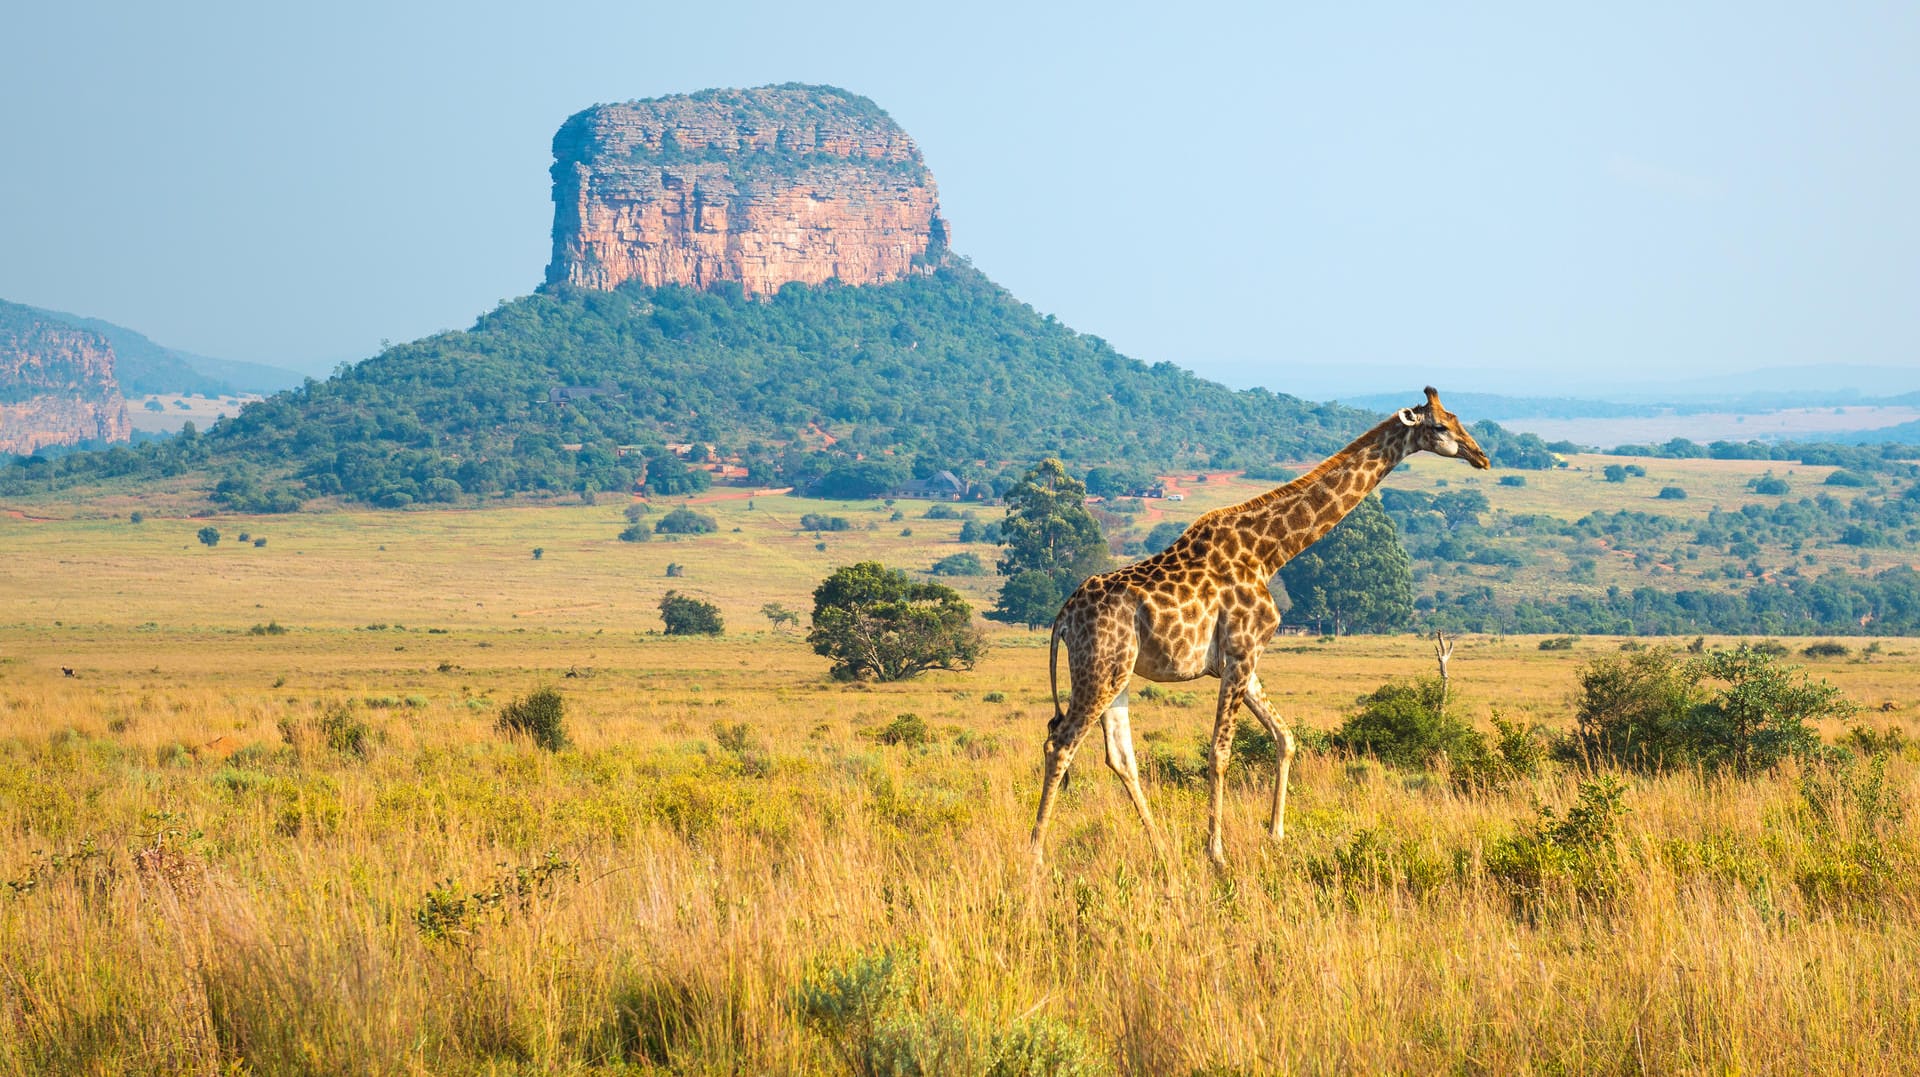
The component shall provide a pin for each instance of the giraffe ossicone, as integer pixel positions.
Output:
(1201, 608)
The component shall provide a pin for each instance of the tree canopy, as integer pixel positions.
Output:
(876, 623)
(1048, 532)
(1356, 578)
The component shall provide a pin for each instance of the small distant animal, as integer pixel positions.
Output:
(68, 670)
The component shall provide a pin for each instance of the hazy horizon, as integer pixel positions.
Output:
(1317, 202)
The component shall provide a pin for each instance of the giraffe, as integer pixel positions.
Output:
(1201, 606)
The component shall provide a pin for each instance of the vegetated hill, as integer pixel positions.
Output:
(944, 370)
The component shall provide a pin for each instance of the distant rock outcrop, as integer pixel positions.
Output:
(57, 384)
(760, 187)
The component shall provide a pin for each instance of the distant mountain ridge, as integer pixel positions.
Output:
(145, 368)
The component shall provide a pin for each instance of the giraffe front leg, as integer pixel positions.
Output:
(1063, 740)
(1232, 686)
(1283, 747)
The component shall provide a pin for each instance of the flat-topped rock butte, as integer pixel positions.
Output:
(759, 187)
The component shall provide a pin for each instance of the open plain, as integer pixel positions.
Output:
(270, 825)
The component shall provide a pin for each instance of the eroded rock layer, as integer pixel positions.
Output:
(57, 384)
(760, 187)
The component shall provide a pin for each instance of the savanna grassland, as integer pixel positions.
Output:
(272, 826)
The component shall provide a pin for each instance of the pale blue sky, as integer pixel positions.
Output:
(1338, 199)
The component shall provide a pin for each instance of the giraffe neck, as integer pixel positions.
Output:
(1284, 521)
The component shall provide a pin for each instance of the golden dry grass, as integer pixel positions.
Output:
(202, 884)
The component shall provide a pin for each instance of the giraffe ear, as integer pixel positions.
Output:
(1406, 417)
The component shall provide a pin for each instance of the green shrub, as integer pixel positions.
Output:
(1513, 480)
(864, 1008)
(1374, 861)
(906, 730)
(1736, 709)
(209, 536)
(1672, 493)
(635, 533)
(1760, 716)
(685, 521)
(1630, 709)
(1405, 723)
(1559, 643)
(1562, 861)
(539, 715)
(959, 564)
(1826, 648)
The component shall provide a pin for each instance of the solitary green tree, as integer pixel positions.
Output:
(875, 622)
(1048, 531)
(1356, 578)
(688, 616)
(209, 536)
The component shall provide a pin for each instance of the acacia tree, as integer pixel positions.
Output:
(875, 622)
(1357, 577)
(1048, 532)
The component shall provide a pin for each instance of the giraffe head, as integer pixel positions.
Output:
(1436, 430)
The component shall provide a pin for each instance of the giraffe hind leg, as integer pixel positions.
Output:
(1120, 758)
(1283, 748)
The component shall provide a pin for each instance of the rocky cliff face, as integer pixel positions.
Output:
(761, 187)
(56, 384)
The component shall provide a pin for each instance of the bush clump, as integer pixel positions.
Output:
(865, 1009)
(1650, 710)
(539, 715)
(1560, 861)
(1406, 724)
(685, 521)
(688, 616)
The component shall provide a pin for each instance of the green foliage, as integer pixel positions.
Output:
(1163, 535)
(669, 476)
(1631, 708)
(635, 533)
(1405, 723)
(449, 917)
(540, 715)
(1614, 473)
(1843, 477)
(1759, 716)
(1826, 648)
(813, 521)
(865, 1009)
(906, 730)
(337, 729)
(1738, 709)
(779, 614)
(1375, 860)
(1769, 484)
(1562, 862)
(209, 536)
(1513, 480)
(685, 615)
(1356, 578)
(958, 564)
(1559, 643)
(685, 521)
(1672, 493)
(872, 621)
(1048, 531)
(539, 552)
